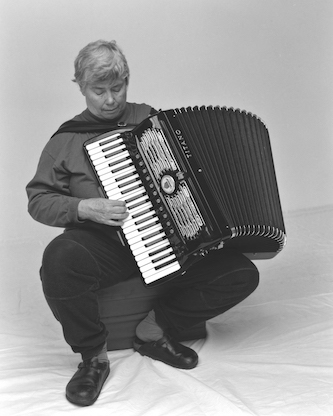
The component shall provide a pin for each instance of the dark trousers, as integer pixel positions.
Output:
(78, 263)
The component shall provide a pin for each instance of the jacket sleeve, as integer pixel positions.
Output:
(50, 201)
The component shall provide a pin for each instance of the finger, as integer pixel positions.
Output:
(113, 216)
(119, 210)
(119, 216)
(117, 202)
(114, 223)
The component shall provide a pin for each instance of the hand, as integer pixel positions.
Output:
(103, 211)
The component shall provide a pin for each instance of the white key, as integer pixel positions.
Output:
(142, 250)
(135, 212)
(115, 194)
(132, 228)
(149, 259)
(101, 149)
(140, 212)
(103, 162)
(133, 234)
(112, 176)
(150, 266)
(107, 171)
(162, 244)
(114, 182)
(138, 201)
(97, 144)
(147, 223)
(119, 184)
(109, 155)
(130, 223)
(138, 237)
(127, 189)
(152, 271)
(146, 260)
(143, 244)
(152, 277)
(136, 193)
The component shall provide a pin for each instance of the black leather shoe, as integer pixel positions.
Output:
(86, 384)
(168, 351)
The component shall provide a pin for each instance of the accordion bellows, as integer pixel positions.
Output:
(234, 148)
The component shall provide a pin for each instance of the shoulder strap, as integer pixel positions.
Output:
(72, 126)
(87, 127)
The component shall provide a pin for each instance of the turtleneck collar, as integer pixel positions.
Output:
(91, 117)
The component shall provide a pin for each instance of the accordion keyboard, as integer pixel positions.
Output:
(143, 231)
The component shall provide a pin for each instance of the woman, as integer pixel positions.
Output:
(88, 256)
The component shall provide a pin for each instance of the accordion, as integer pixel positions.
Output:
(194, 180)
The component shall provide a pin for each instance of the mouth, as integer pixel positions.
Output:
(110, 110)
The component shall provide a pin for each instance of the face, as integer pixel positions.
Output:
(106, 100)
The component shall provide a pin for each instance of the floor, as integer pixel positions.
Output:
(270, 355)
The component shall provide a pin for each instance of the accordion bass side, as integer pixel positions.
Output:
(194, 180)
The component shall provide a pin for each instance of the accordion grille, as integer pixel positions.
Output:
(181, 203)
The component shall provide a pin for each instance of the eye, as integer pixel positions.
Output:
(117, 89)
(97, 90)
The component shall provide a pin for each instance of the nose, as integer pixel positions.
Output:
(109, 98)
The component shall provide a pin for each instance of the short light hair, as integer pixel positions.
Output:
(100, 61)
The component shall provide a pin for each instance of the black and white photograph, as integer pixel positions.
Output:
(167, 207)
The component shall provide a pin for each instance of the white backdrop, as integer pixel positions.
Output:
(271, 57)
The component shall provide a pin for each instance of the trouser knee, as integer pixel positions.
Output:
(235, 285)
(68, 270)
(251, 275)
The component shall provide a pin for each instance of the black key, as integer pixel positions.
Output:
(165, 264)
